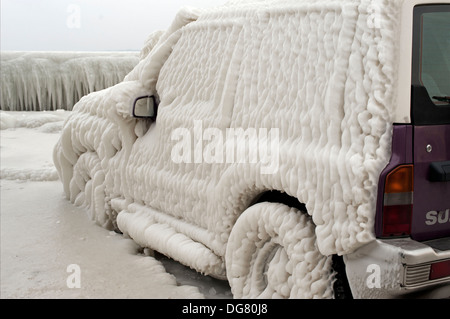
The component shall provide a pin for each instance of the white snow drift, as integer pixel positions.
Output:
(44, 81)
(320, 72)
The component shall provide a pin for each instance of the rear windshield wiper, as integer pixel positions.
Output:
(442, 98)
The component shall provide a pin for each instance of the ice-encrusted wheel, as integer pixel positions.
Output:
(272, 253)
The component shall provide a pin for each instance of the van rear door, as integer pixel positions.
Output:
(430, 113)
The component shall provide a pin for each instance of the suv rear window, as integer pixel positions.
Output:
(431, 65)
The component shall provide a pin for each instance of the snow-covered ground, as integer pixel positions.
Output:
(49, 246)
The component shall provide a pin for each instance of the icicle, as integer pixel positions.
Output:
(46, 81)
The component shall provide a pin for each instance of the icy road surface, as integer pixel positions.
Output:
(44, 236)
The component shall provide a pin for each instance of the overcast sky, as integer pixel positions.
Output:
(86, 25)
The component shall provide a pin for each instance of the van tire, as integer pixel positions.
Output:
(341, 285)
(272, 253)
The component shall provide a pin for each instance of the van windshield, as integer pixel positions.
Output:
(435, 56)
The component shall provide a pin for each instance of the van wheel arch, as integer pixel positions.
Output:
(341, 285)
(276, 196)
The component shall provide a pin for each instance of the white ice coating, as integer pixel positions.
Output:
(44, 81)
(321, 73)
(21, 162)
(283, 238)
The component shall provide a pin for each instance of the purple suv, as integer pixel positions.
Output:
(413, 206)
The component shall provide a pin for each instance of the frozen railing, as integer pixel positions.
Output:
(44, 81)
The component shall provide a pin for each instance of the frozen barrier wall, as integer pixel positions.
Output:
(46, 81)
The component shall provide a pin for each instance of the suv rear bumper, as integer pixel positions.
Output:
(397, 268)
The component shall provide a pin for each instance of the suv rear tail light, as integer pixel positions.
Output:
(440, 270)
(398, 201)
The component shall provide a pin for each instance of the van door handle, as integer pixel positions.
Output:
(439, 172)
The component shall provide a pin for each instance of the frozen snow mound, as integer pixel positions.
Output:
(21, 163)
(320, 75)
(47, 81)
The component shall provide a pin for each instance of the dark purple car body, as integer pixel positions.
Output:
(427, 148)
(431, 208)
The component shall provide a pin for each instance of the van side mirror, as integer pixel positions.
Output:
(145, 107)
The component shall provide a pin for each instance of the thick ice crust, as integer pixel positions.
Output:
(319, 75)
(272, 253)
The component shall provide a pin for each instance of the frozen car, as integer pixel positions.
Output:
(297, 149)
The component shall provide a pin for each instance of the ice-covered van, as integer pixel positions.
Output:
(297, 149)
